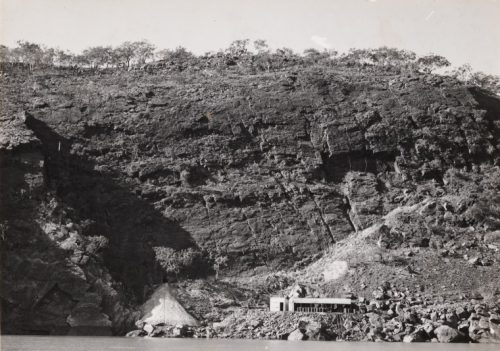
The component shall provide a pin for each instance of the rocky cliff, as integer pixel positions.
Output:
(253, 173)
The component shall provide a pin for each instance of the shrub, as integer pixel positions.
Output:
(184, 262)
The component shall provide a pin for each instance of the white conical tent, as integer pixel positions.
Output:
(163, 307)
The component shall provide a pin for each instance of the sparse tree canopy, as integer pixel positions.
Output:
(125, 53)
(314, 56)
(237, 57)
(143, 51)
(30, 53)
(260, 46)
(137, 51)
(382, 56)
(48, 56)
(238, 48)
(179, 54)
(99, 56)
(4, 53)
(64, 58)
(431, 62)
(463, 73)
(487, 81)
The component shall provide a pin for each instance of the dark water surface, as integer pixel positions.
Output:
(70, 343)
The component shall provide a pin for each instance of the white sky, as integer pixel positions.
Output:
(465, 31)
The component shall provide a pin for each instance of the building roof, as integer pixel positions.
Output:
(329, 300)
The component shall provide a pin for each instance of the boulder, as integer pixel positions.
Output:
(411, 317)
(375, 320)
(148, 328)
(379, 294)
(494, 318)
(495, 331)
(135, 333)
(296, 335)
(314, 331)
(180, 331)
(475, 261)
(452, 319)
(463, 327)
(429, 329)
(475, 331)
(462, 313)
(483, 323)
(492, 237)
(162, 331)
(447, 334)
(417, 336)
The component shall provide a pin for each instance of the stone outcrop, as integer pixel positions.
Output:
(101, 170)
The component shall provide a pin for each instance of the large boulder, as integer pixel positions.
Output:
(492, 237)
(447, 334)
(314, 330)
(417, 336)
(135, 333)
(296, 335)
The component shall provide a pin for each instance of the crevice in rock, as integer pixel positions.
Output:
(336, 166)
(320, 213)
(346, 209)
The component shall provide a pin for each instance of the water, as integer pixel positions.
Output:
(70, 343)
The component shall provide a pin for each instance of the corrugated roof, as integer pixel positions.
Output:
(321, 300)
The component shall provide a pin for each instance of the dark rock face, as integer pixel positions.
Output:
(99, 170)
(53, 280)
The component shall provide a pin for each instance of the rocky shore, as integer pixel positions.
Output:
(393, 315)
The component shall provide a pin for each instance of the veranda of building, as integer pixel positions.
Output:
(310, 304)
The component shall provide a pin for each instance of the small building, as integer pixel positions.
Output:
(312, 304)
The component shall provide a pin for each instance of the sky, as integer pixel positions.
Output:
(464, 31)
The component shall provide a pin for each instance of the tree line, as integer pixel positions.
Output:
(246, 55)
(239, 52)
(38, 56)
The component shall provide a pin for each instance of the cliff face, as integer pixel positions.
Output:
(267, 170)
